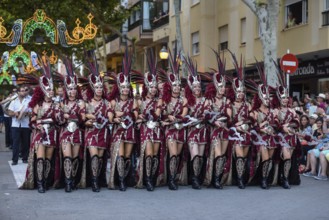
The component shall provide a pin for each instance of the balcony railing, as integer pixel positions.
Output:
(158, 22)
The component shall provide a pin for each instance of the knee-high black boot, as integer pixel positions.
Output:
(285, 173)
(40, 175)
(265, 172)
(75, 167)
(121, 173)
(47, 168)
(196, 168)
(68, 173)
(219, 164)
(148, 172)
(172, 172)
(240, 168)
(155, 165)
(94, 164)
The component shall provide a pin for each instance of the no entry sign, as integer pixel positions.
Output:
(289, 63)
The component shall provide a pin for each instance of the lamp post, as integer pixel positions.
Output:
(163, 56)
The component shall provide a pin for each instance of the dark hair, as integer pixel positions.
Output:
(300, 120)
(319, 119)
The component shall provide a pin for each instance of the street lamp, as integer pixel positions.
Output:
(164, 53)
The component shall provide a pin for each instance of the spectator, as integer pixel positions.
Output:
(324, 158)
(305, 135)
(59, 94)
(1, 118)
(296, 106)
(307, 103)
(7, 121)
(18, 110)
(312, 108)
(321, 102)
(314, 154)
(291, 21)
(313, 118)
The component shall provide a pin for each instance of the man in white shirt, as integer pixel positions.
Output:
(20, 113)
(7, 121)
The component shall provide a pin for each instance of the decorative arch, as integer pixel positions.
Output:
(39, 21)
(19, 52)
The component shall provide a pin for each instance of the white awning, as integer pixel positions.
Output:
(290, 2)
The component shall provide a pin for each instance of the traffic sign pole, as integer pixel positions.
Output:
(288, 76)
(289, 64)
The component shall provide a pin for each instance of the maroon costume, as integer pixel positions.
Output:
(218, 111)
(123, 131)
(174, 132)
(96, 134)
(47, 118)
(71, 132)
(149, 129)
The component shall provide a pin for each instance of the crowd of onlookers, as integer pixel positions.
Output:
(313, 134)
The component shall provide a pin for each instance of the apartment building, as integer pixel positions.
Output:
(230, 24)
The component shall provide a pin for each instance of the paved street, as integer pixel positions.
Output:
(307, 201)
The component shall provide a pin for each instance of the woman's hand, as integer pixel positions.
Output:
(39, 126)
(90, 116)
(171, 118)
(117, 120)
(89, 123)
(218, 124)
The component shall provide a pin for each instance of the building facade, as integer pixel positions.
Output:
(222, 25)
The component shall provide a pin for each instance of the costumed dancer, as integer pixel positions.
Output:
(123, 116)
(240, 130)
(288, 123)
(73, 108)
(263, 133)
(196, 131)
(220, 117)
(45, 115)
(150, 134)
(173, 112)
(96, 122)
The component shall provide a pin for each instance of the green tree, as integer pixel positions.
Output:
(108, 17)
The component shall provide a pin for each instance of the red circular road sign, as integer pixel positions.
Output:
(289, 63)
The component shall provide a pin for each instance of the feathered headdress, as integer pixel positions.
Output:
(150, 78)
(262, 89)
(123, 78)
(219, 76)
(70, 80)
(238, 82)
(173, 73)
(193, 77)
(46, 81)
(281, 90)
(94, 77)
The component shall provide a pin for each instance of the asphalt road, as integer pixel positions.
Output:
(307, 201)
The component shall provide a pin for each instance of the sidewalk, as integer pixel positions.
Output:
(3, 143)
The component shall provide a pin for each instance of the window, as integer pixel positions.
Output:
(326, 5)
(195, 43)
(223, 38)
(243, 31)
(148, 10)
(296, 12)
(135, 16)
(325, 13)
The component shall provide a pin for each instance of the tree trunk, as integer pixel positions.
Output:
(104, 60)
(179, 39)
(267, 15)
